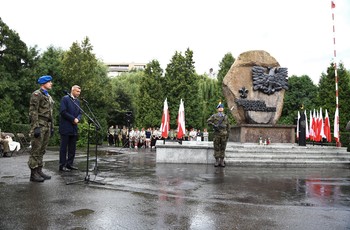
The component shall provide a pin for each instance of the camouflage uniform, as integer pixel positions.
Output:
(40, 113)
(221, 133)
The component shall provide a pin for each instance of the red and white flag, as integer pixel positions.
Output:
(318, 127)
(321, 126)
(311, 129)
(336, 125)
(181, 130)
(314, 125)
(307, 133)
(165, 126)
(298, 125)
(327, 128)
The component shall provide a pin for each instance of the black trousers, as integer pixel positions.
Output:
(68, 145)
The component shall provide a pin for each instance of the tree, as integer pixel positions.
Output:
(150, 102)
(80, 67)
(181, 82)
(301, 94)
(225, 65)
(125, 94)
(326, 95)
(209, 92)
(16, 74)
(9, 113)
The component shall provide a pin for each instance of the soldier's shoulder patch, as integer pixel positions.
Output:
(36, 94)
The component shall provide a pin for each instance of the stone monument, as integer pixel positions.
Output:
(254, 89)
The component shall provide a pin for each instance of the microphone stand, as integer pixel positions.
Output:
(97, 127)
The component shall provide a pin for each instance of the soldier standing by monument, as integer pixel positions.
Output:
(41, 120)
(221, 126)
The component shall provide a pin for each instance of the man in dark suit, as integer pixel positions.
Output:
(70, 116)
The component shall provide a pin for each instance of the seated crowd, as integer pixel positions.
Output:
(8, 145)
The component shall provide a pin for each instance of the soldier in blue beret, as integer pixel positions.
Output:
(41, 120)
(44, 79)
(221, 126)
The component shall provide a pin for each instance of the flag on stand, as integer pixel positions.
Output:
(298, 125)
(165, 126)
(327, 128)
(318, 126)
(336, 125)
(181, 121)
(311, 130)
(321, 126)
(314, 125)
(307, 133)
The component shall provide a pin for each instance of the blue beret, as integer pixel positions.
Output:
(220, 105)
(44, 79)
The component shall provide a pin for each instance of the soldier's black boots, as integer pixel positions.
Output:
(222, 162)
(34, 176)
(43, 175)
(217, 162)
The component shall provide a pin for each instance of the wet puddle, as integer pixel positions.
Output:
(82, 212)
(139, 172)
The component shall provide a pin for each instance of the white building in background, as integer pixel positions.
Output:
(117, 68)
(212, 74)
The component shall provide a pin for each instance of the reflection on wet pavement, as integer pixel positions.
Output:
(137, 171)
(140, 194)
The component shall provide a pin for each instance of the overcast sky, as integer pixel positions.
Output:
(297, 33)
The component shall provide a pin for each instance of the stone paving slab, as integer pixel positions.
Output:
(139, 193)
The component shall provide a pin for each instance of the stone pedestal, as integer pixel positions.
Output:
(250, 133)
(190, 152)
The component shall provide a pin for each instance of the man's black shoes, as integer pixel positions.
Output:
(71, 167)
(67, 168)
(64, 169)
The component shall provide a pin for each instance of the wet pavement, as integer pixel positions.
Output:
(125, 189)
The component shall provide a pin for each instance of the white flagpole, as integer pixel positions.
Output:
(336, 116)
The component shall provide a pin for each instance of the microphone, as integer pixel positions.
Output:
(66, 92)
(85, 100)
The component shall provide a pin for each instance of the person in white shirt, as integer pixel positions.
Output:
(205, 135)
(193, 134)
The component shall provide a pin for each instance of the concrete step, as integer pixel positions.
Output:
(286, 153)
(251, 151)
(286, 163)
(288, 157)
(252, 154)
(286, 150)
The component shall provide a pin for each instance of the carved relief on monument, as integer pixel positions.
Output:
(255, 86)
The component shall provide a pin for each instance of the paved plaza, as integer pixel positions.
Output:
(127, 189)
